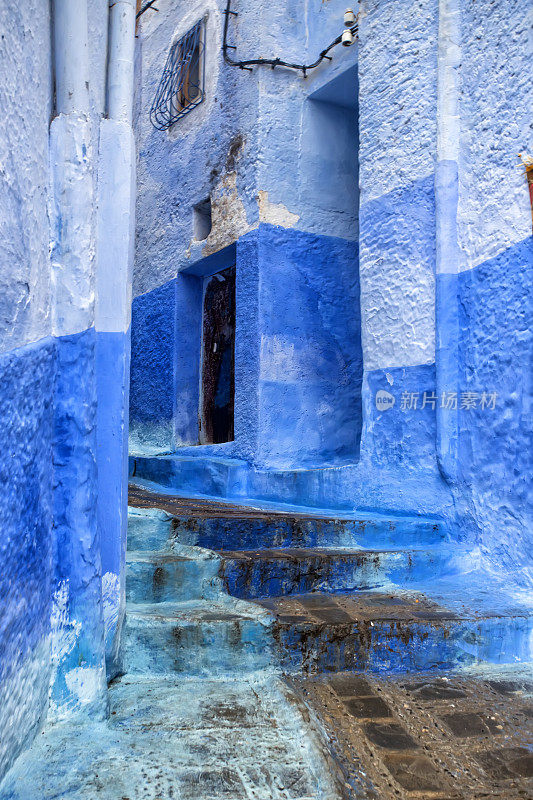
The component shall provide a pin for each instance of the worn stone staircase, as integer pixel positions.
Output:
(214, 588)
(277, 655)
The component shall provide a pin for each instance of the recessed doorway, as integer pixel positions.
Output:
(217, 391)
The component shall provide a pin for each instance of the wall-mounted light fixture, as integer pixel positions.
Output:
(349, 18)
(349, 22)
(347, 37)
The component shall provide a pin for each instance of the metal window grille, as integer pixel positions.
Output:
(181, 87)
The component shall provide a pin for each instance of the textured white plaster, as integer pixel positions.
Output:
(181, 168)
(25, 100)
(449, 80)
(397, 75)
(398, 132)
(398, 313)
(110, 601)
(116, 226)
(84, 683)
(496, 103)
(64, 631)
(72, 218)
(275, 213)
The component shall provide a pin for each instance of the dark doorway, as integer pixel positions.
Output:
(218, 358)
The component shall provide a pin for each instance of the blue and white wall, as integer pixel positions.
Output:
(27, 373)
(55, 339)
(277, 154)
(383, 248)
(445, 257)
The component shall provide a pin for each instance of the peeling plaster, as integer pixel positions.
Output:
(110, 601)
(84, 683)
(64, 631)
(228, 215)
(275, 213)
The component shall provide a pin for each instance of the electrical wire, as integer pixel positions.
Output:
(145, 8)
(271, 62)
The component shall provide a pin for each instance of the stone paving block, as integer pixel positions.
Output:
(415, 773)
(465, 723)
(389, 735)
(435, 690)
(507, 762)
(511, 687)
(333, 616)
(496, 765)
(367, 707)
(346, 685)
(316, 601)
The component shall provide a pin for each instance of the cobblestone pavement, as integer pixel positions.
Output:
(425, 737)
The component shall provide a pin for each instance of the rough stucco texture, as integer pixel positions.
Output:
(397, 96)
(180, 169)
(254, 145)
(297, 376)
(152, 369)
(25, 99)
(311, 360)
(79, 638)
(495, 110)
(494, 290)
(26, 386)
(495, 444)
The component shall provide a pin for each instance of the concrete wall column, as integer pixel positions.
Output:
(77, 622)
(114, 269)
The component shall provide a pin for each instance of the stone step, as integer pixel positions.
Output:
(215, 477)
(385, 632)
(252, 574)
(159, 577)
(224, 526)
(196, 638)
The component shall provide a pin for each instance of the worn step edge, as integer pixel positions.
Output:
(252, 574)
(199, 638)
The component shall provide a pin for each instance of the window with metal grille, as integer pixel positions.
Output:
(181, 87)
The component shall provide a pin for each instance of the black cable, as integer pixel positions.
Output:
(272, 62)
(145, 8)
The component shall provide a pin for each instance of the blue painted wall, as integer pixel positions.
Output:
(78, 646)
(153, 340)
(27, 365)
(412, 281)
(298, 367)
(26, 427)
(311, 357)
(51, 622)
(495, 444)
(112, 380)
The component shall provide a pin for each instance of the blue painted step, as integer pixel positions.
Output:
(159, 577)
(215, 477)
(390, 632)
(286, 571)
(196, 638)
(223, 526)
(323, 627)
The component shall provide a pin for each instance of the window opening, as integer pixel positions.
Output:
(202, 220)
(181, 87)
